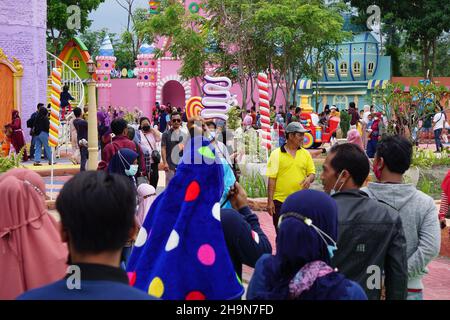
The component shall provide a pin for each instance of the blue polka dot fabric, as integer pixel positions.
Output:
(180, 252)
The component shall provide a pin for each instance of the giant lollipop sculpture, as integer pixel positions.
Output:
(264, 109)
(55, 105)
(194, 107)
(154, 6)
(53, 137)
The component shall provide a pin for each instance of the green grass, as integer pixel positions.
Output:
(428, 159)
(430, 186)
(255, 185)
(11, 162)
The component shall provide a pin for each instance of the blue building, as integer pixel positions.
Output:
(354, 75)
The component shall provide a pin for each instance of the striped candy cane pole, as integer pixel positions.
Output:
(55, 104)
(264, 109)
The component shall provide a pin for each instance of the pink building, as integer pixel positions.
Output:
(158, 80)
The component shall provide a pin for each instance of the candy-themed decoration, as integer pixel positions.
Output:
(106, 62)
(147, 73)
(217, 98)
(194, 7)
(154, 6)
(55, 106)
(264, 109)
(194, 107)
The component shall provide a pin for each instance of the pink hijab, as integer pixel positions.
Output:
(147, 195)
(354, 137)
(31, 251)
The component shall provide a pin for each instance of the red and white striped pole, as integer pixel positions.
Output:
(264, 109)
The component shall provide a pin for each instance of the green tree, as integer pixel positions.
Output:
(423, 23)
(303, 36)
(188, 37)
(58, 33)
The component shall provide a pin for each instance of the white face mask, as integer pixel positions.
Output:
(333, 191)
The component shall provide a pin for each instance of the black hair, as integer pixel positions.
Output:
(131, 133)
(43, 112)
(253, 109)
(298, 109)
(142, 120)
(211, 123)
(397, 153)
(173, 114)
(66, 88)
(39, 105)
(291, 107)
(97, 211)
(77, 112)
(352, 105)
(118, 125)
(350, 157)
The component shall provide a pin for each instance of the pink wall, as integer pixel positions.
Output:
(125, 93)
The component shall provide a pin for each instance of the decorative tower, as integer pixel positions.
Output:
(105, 63)
(147, 75)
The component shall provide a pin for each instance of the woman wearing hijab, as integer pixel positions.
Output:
(17, 139)
(354, 137)
(181, 252)
(300, 269)
(146, 195)
(374, 135)
(125, 162)
(31, 251)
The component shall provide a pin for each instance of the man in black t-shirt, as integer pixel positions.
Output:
(82, 134)
(172, 144)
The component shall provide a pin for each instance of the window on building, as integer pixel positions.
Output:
(76, 64)
(357, 68)
(340, 102)
(343, 68)
(370, 67)
(331, 69)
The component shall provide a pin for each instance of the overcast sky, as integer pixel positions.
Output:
(110, 15)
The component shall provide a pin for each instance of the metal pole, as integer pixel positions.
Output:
(92, 127)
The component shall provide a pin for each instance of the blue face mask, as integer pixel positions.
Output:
(132, 171)
(331, 250)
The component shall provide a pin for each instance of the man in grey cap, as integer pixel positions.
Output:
(290, 169)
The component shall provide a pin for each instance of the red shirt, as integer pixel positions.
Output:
(111, 149)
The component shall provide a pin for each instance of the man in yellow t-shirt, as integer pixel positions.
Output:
(290, 169)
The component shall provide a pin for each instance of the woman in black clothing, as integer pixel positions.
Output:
(41, 130)
(246, 241)
(65, 99)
